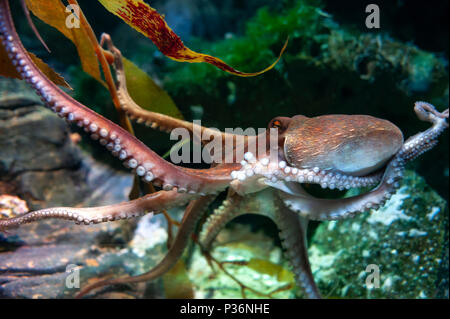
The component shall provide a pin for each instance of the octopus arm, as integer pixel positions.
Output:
(193, 213)
(329, 209)
(134, 154)
(152, 119)
(291, 226)
(152, 203)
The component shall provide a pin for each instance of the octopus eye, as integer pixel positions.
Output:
(276, 124)
(280, 123)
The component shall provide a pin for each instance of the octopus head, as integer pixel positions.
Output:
(354, 145)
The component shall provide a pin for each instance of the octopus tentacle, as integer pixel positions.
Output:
(292, 231)
(135, 155)
(293, 235)
(265, 172)
(192, 215)
(152, 203)
(152, 119)
(329, 209)
(424, 141)
(229, 210)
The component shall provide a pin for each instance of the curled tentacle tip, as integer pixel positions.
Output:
(427, 112)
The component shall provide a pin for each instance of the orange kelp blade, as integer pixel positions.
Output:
(149, 22)
(53, 13)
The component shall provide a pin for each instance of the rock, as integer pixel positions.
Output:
(15, 93)
(50, 252)
(33, 138)
(36, 154)
(142, 253)
(12, 206)
(39, 161)
(40, 164)
(406, 240)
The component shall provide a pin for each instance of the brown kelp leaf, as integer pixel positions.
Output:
(53, 12)
(149, 22)
(8, 70)
(6, 67)
(177, 284)
(146, 93)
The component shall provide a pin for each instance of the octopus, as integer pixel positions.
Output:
(333, 151)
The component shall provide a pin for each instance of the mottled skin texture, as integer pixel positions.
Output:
(353, 144)
(335, 151)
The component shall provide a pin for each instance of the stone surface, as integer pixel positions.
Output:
(41, 164)
(41, 262)
(407, 240)
(35, 149)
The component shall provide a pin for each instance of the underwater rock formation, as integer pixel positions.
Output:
(407, 239)
(42, 257)
(40, 164)
(37, 159)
